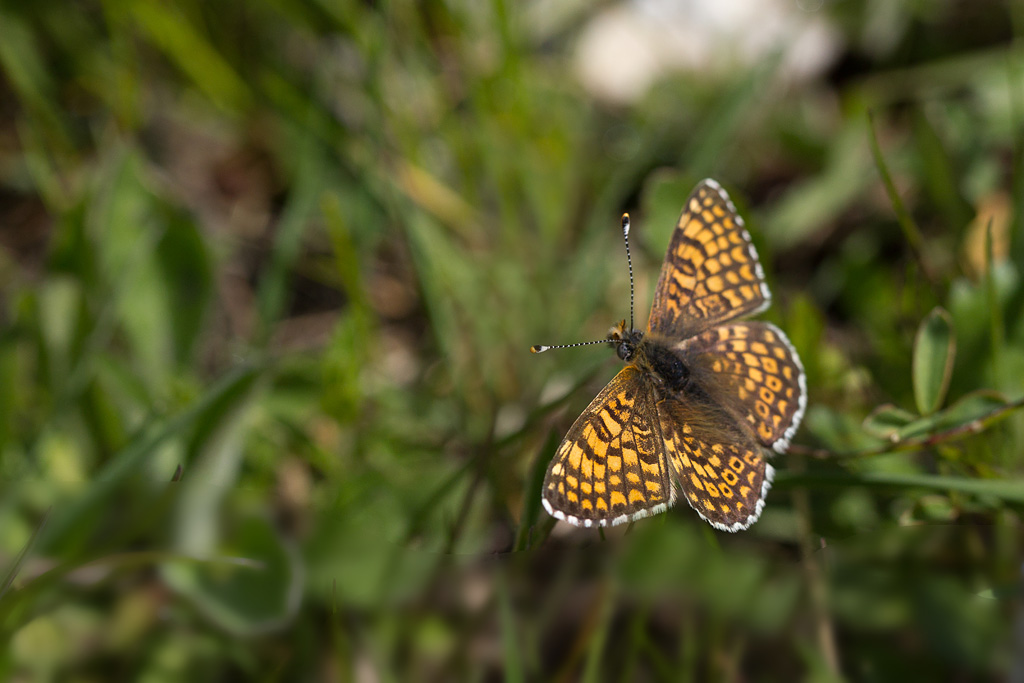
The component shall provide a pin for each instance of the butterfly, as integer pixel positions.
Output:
(702, 398)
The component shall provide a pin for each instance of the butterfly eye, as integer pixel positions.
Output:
(625, 350)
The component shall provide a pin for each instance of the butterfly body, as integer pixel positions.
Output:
(701, 397)
(665, 368)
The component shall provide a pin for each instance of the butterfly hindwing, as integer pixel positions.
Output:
(720, 467)
(752, 369)
(611, 467)
(711, 273)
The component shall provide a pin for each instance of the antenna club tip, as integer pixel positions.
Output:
(539, 348)
(625, 224)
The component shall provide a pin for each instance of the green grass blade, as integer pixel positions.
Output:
(19, 561)
(1008, 490)
(57, 537)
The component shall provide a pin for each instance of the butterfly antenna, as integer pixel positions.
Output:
(541, 348)
(629, 260)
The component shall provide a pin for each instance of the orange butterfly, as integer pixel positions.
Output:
(702, 394)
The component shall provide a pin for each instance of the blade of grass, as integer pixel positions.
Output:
(29, 77)
(817, 585)
(531, 500)
(950, 434)
(911, 232)
(722, 122)
(939, 173)
(590, 623)
(1015, 76)
(995, 311)
(274, 288)
(171, 31)
(216, 458)
(1008, 490)
(38, 585)
(811, 204)
(636, 637)
(599, 636)
(512, 652)
(57, 536)
(15, 567)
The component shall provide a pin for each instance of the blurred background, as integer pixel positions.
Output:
(269, 276)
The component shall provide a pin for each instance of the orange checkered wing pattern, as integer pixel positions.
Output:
(720, 467)
(711, 272)
(752, 369)
(611, 467)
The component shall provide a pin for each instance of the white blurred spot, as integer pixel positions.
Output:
(628, 47)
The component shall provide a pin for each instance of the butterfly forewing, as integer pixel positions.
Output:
(611, 467)
(754, 371)
(711, 272)
(717, 462)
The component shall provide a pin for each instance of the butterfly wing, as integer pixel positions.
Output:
(711, 273)
(611, 467)
(720, 467)
(752, 369)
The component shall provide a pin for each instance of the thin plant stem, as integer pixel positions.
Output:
(817, 587)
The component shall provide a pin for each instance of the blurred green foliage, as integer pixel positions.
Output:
(269, 273)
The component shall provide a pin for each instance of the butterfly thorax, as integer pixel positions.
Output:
(652, 356)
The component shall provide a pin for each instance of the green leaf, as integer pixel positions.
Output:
(886, 421)
(255, 589)
(972, 408)
(934, 350)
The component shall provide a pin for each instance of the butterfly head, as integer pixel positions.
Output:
(626, 341)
